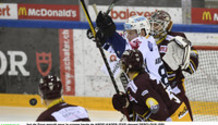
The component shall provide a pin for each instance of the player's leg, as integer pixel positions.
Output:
(185, 98)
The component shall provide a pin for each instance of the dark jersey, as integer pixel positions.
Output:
(140, 89)
(64, 112)
(176, 78)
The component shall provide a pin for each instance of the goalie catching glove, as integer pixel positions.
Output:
(178, 53)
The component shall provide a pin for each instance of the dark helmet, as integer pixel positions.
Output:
(50, 87)
(132, 61)
(161, 23)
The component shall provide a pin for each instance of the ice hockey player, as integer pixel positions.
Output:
(176, 52)
(145, 99)
(136, 28)
(50, 90)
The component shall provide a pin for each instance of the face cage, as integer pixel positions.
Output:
(123, 67)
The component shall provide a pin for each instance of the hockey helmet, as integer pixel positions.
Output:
(50, 87)
(132, 61)
(161, 24)
(138, 23)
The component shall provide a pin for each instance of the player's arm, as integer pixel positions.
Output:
(121, 103)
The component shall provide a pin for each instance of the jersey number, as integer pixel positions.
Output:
(163, 74)
(164, 80)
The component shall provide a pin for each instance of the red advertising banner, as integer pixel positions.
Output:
(67, 61)
(48, 12)
(204, 16)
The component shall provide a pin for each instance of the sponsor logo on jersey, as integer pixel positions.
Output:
(163, 49)
(135, 43)
(144, 92)
(113, 58)
(44, 59)
(183, 112)
(48, 12)
(131, 99)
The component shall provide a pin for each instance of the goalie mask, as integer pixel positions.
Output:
(132, 61)
(160, 23)
(138, 23)
(50, 87)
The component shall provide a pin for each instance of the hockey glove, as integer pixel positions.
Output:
(106, 27)
(178, 53)
(120, 102)
(90, 35)
(186, 46)
(193, 65)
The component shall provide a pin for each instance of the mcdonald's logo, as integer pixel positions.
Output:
(22, 11)
(206, 15)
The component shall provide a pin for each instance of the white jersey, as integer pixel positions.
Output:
(151, 56)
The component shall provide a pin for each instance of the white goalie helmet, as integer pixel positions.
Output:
(138, 23)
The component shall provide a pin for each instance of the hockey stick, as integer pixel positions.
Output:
(96, 12)
(123, 78)
(111, 6)
(95, 9)
(100, 49)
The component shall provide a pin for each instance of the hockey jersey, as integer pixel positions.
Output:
(140, 90)
(65, 113)
(154, 65)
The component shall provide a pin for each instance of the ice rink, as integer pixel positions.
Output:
(30, 114)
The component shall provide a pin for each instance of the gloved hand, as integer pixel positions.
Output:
(99, 36)
(120, 101)
(106, 27)
(182, 42)
(90, 35)
(193, 62)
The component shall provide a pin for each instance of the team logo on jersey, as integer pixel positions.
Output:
(163, 49)
(44, 63)
(150, 46)
(135, 43)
